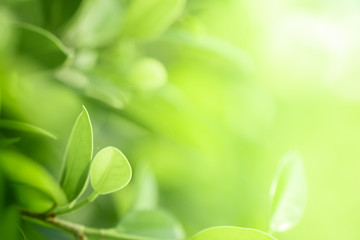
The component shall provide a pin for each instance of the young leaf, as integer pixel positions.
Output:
(288, 193)
(155, 224)
(24, 173)
(78, 156)
(41, 45)
(110, 171)
(25, 127)
(232, 233)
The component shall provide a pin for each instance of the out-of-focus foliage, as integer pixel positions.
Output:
(207, 94)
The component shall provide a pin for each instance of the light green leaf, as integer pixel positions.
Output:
(78, 156)
(146, 190)
(150, 18)
(25, 127)
(97, 23)
(110, 171)
(29, 176)
(232, 233)
(155, 224)
(31, 199)
(41, 45)
(288, 193)
(92, 87)
(148, 74)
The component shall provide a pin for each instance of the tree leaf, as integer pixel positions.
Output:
(21, 171)
(110, 171)
(25, 127)
(149, 18)
(78, 157)
(41, 45)
(232, 233)
(155, 224)
(288, 193)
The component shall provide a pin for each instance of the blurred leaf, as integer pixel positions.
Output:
(8, 141)
(155, 224)
(110, 171)
(148, 74)
(288, 193)
(31, 199)
(21, 171)
(209, 44)
(78, 156)
(9, 219)
(29, 11)
(41, 45)
(30, 233)
(97, 23)
(25, 127)
(58, 12)
(92, 87)
(232, 233)
(150, 18)
(147, 190)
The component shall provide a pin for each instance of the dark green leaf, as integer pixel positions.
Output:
(110, 171)
(24, 174)
(25, 127)
(155, 224)
(4, 142)
(78, 156)
(41, 46)
(9, 218)
(288, 193)
(58, 12)
(232, 233)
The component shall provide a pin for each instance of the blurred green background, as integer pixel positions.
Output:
(208, 94)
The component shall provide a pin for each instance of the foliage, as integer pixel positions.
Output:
(202, 98)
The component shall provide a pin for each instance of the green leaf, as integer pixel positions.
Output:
(110, 171)
(150, 18)
(25, 127)
(232, 233)
(155, 224)
(148, 74)
(78, 157)
(8, 141)
(29, 176)
(58, 12)
(9, 219)
(97, 23)
(41, 45)
(288, 193)
(146, 190)
(31, 199)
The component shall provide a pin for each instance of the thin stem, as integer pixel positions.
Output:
(81, 231)
(71, 208)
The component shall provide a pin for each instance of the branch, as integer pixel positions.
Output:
(78, 230)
